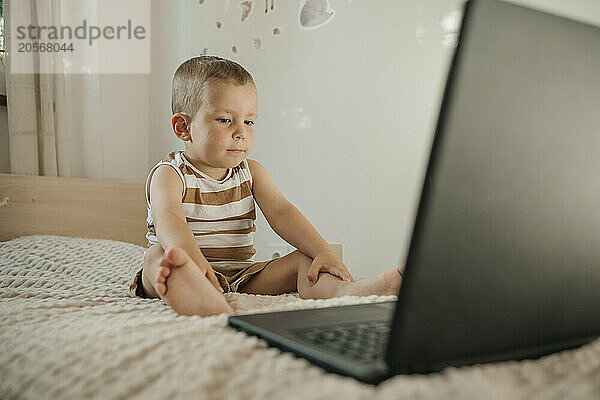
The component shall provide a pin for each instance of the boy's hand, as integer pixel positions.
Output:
(327, 261)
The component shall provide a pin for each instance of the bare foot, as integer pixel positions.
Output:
(384, 284)
(182, 285)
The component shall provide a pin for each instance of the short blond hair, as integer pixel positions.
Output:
(190, 79)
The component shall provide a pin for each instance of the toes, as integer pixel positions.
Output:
(163, 274)
(165, 271)
(176, 256)
(164, 262)
(161, 281)
(161, 288)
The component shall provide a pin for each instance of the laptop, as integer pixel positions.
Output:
(504, 258)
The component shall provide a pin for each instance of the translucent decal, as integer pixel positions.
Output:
(314, 14)
(267, 5)
(451, 26)
(246, 7)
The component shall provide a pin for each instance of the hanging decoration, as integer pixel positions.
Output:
(315, 14)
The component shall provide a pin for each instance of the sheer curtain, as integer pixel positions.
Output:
(54, 119)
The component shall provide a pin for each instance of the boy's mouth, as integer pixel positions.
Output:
(236, 150)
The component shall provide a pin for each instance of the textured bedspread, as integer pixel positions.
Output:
(69, 330)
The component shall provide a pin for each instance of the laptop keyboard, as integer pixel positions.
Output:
(361, 341)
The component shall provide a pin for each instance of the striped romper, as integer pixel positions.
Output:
(221, 215)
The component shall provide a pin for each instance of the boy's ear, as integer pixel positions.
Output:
(181, 126)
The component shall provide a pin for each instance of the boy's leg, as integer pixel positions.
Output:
(150, 270)
(288, 273)
(278, 277)
(176, 279)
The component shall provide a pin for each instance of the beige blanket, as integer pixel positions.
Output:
(68, 330)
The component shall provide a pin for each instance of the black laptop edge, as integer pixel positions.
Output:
(531, 352)
(332, 362)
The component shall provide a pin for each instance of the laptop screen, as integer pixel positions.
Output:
(505, 254)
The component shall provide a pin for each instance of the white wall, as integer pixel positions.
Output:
(125, 102)
(347, 111)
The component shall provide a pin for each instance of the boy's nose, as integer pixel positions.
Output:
(239, 132)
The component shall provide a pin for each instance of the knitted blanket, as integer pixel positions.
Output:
(69, 330)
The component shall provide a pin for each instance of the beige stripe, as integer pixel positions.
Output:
(198, 232)
(224, 241)
(237, 193)
(205, 227)
(152, 231)
(250, 215)
(189, 171)
(226, 254)
(209, 186)
(231, 232)
(242, 206)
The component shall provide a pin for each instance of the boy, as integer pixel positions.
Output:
(201, 207)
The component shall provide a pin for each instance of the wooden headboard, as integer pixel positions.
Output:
(89, 208)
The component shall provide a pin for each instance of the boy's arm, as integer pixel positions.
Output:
(293, 227)
(169, 220)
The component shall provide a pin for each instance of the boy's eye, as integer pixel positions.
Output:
(224, 120)
(249, 122)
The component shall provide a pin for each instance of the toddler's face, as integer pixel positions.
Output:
(222, 133)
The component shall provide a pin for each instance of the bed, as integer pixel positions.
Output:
(69, 330)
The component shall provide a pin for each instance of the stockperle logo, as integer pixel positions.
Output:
(80, 36)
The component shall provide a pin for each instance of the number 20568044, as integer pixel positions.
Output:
(45, 47)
